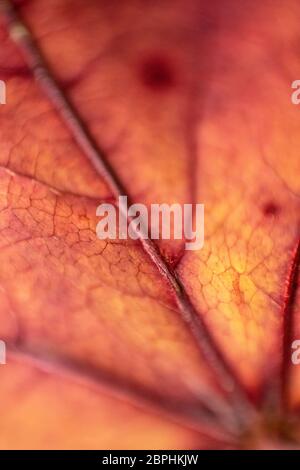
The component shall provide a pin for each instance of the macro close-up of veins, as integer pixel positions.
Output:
(141, 342)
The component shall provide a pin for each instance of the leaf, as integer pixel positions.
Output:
(166, 102)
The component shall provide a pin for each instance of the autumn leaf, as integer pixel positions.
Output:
(127, 344)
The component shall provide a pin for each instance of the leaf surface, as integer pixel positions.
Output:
(188, 102)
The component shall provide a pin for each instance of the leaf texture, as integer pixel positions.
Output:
(183, 101)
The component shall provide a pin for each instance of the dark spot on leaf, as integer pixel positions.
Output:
(20, 3)
(270, 208)
(157, 73)
(18, 71)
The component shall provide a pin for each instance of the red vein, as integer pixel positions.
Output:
(80, 133)
(288, 322)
